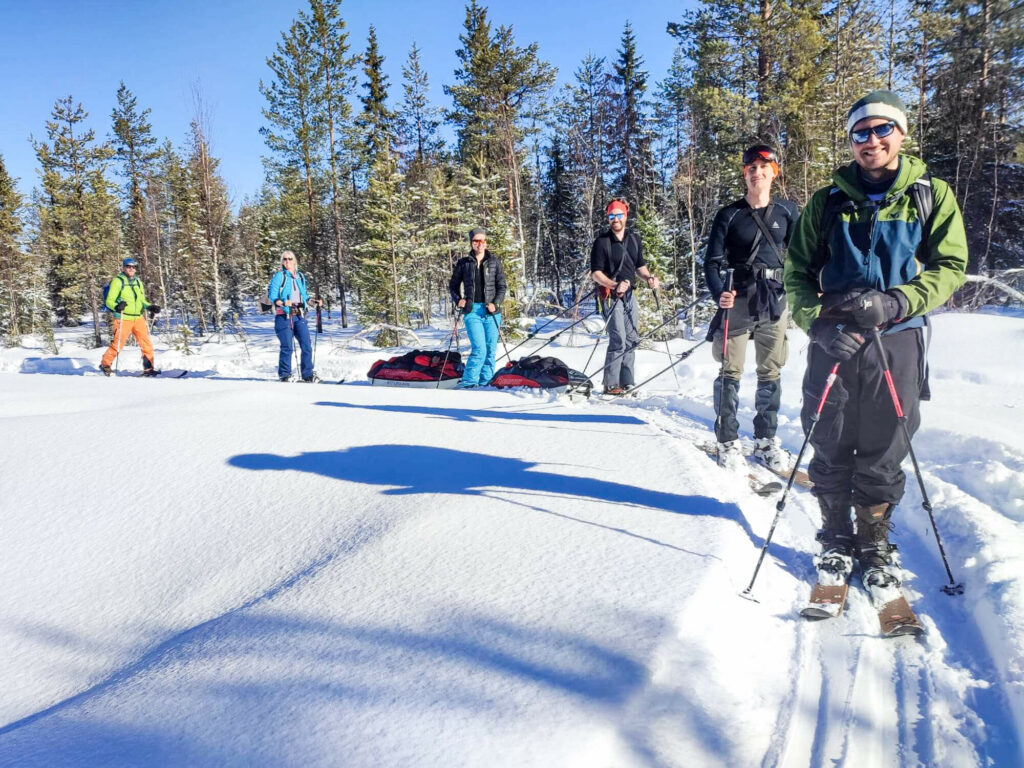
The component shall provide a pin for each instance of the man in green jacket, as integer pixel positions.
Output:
(126, 299)
(867, 254)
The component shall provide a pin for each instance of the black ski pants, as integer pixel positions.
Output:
(858, 443)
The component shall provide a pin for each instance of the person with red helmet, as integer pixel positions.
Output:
(616, 259)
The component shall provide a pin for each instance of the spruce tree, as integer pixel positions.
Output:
(418, 120)
(630, 147)
(331, 49)
(136, 149)
(12, 260)
(384, 279)
(79, 214)
(377, 122)
(296, 130)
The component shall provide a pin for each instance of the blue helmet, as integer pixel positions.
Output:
(129, 262)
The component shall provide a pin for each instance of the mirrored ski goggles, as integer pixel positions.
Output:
(862, 135)
(762, 153)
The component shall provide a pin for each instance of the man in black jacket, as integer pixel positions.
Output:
(749, 236)
(615, 260)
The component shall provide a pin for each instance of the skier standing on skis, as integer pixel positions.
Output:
(881, 247)
(287, 293)
(481, 278)
(126, 299)
(749, 236)
(616, 258)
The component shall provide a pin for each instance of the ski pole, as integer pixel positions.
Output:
(568, 327)
(680, 358)
(953, 588)
(295, 351)
(657, 305)
(792, 476)
(117, 341)
(611, 311)
(455, 330)
(508, 352)
(725, 351)
(319, 330)
(501, 336)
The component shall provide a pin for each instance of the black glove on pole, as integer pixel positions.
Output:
(835, 339)
(953, 588)
(792, 475)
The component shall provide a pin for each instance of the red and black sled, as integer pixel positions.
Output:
(418, 369)
(548, 373)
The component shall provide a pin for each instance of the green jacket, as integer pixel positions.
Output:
(875, 246)
(129, 291)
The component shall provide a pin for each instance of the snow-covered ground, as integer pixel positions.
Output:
(223, 570)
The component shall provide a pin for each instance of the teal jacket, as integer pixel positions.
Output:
(875, 246)
(280, 288)
(131, 292)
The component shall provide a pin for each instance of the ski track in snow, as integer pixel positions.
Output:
(689, 693)
(861, 701)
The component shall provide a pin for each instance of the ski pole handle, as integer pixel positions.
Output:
(725, 320)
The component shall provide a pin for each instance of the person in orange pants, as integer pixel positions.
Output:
(126, 299)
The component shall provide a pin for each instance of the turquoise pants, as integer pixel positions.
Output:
(482, 329)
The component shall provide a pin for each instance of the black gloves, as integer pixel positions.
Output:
(835, 339)
(119, 307)
(153, 309)
(868, 309)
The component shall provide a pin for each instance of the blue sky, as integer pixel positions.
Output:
(52, 48)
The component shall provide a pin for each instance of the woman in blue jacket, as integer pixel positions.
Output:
(287, 293)
(481, 279)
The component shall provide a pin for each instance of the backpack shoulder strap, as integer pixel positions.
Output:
(835, 203)
(923, 195)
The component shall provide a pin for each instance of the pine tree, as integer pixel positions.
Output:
(136, 149)
(630, 147)
(14, 317)
(383, 277)
(331, 49)
(377, 121)
(79, 214)
(497, 105)
(213, 215)
(418, 121)
(297, 129)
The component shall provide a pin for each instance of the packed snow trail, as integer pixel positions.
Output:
(224, 571)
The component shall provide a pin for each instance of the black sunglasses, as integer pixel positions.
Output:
(881, 131)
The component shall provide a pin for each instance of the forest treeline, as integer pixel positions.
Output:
(361, 183)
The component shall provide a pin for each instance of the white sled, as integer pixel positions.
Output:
(430, 384)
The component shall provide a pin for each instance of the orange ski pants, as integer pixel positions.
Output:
(123, 328)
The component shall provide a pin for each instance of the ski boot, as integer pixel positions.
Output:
(835, 561)
(879, 560)
(148, 369)
(106, 370)
(769, 451)
(730, 455)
